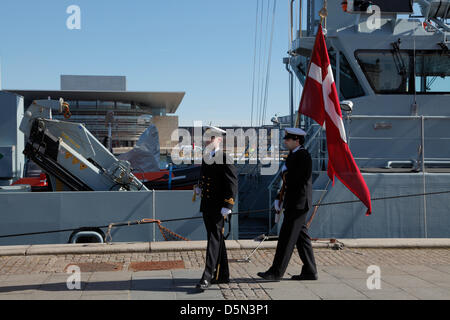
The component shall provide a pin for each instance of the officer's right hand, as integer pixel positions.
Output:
(198, 191)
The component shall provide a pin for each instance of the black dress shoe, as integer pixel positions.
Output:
(310, 276)
(268, 276)
(220, 281)
(203, 284)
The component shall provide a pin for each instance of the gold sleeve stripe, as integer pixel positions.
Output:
(230, 201)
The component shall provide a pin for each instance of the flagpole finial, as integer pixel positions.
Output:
(323, 13)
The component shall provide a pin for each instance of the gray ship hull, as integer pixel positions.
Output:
(403, 217)
(26, 212)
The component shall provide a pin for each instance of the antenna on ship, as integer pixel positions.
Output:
(414, 107)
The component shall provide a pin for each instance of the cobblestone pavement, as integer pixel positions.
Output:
(405, 274)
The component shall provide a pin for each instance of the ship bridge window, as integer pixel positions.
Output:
(432, 72)
(386, 71)
(392, 72)
(349, 84)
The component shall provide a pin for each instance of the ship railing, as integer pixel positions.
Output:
(316, 145)
(418, 161)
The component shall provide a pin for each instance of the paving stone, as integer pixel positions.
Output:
(408, 281)
(443, 268)
(117, 296)
(361, 285)
(343, 272)
(283, 292)
(111, 286)
(56, 295)
(339, 291)
(15, 296)
(395, 295)
(99, 276)
(429, 293)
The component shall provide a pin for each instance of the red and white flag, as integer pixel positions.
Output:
(320, 102)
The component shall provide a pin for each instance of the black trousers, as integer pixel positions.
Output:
(294, 233)
(216, 252)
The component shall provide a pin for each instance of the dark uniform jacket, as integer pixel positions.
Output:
(219, 184)
(298, 189)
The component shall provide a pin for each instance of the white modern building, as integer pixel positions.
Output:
(98, 101)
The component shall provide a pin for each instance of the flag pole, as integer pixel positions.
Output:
(323, 13)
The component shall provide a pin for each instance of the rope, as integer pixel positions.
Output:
(165, 232)
(108, 236)
(269, 60)
(260, 59)
(254, 62)
(159, 222)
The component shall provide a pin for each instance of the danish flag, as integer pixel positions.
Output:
(320, 102)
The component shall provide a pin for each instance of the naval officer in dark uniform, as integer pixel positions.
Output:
(218, 187)
(297, 198)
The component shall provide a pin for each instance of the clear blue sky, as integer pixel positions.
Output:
(202, 47)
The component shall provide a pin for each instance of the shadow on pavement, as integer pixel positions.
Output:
(186, 286)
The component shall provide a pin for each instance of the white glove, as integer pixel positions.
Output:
(277, 218)
(277, 205)
(198, 191)
(225, 212)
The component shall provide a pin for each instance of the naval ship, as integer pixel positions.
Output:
(391, 65)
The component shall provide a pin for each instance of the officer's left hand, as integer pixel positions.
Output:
(277, 218)
(225, 212)
(278, 205)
